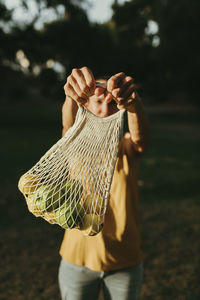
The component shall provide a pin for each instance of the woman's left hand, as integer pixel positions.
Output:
(123, 91)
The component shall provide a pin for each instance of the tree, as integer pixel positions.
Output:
(134, 48)
(179, 28)
(172, 67)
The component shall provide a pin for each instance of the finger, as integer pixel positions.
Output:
(89, 78)
(72, 81)
(114, 81)
(72, 94)
(128, 92)
(99, 91)
(116, 93)
(124, 84)
(122, 87)
(126, 104)
(108, 97)
(80, 79)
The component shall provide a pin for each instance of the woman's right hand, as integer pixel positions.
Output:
(80, 85)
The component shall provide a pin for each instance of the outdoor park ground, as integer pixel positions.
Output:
(169, 205)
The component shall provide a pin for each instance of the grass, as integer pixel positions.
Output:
(169, 206)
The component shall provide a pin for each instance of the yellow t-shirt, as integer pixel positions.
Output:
(118, 245)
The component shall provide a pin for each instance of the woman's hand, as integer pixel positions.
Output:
(123, 90)
(80, 85)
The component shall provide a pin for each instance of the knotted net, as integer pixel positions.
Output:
(70, 184)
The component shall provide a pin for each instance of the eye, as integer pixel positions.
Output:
(99, 102)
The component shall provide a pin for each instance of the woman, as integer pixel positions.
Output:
(113, 259)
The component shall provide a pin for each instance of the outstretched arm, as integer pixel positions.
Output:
(123, 91)
(69, 110)
(138, 126)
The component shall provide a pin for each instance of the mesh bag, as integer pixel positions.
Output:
(70, 184)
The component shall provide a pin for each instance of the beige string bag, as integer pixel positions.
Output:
(70, 184)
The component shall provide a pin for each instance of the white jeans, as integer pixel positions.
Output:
(81, 283)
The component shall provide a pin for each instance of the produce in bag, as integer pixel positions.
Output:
(70, 184)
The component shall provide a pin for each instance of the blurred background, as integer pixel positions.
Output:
(154, 41)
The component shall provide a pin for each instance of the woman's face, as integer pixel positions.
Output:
(97, 104)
